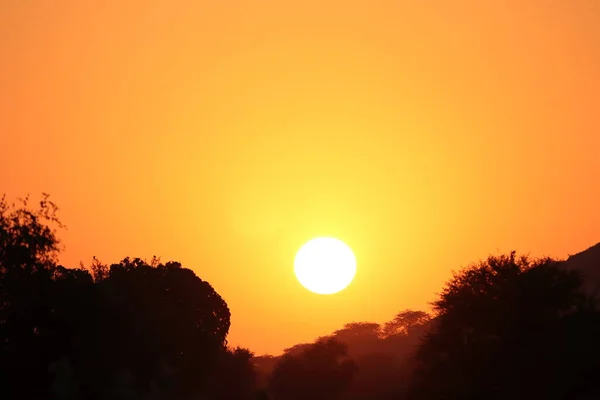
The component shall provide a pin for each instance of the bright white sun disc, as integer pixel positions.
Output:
(325, 265)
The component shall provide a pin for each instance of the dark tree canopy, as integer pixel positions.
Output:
(321, 371)
(405, 322)
(28, 240)
(30, 313)
(382, 360)
(505, 328)
(156, 321)
(130, 330)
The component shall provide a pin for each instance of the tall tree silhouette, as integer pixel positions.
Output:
(30, 310)
(131, 330)
(505, 328)
(160, 326)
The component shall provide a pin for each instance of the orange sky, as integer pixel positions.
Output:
(224, 134)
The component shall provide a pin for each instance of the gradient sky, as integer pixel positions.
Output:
(224, 134)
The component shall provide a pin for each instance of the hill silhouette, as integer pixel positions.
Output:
(587, 263)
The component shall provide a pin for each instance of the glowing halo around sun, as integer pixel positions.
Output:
(325, 265)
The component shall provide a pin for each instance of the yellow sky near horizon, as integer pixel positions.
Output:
(425, 134)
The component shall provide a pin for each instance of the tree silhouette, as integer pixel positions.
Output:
(505, 328)
(131, 330)
(31, 313)
(263, 368)
(383, 363)
(359, 337)
(233, 377)
(381, 354)
(321, 371)
(405, 322)
(160, 326)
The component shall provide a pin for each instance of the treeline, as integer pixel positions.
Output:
(508, 327)
(505, 328)
(363, 360)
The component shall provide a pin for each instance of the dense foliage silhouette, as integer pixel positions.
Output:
(128, 330)
(320, 371)
(511, 327)
(508, 327)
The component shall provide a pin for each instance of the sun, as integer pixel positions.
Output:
(325, 265)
